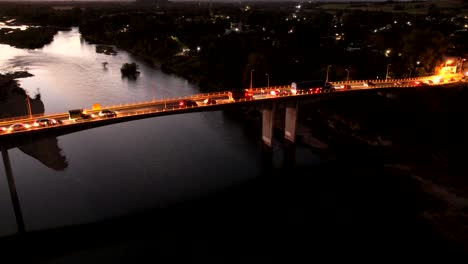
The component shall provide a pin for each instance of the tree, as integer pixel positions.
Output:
(129, 69)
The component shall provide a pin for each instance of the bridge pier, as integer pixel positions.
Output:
(13, 193)
(290, 121)
(267, 124)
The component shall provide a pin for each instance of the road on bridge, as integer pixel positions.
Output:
(26, 124)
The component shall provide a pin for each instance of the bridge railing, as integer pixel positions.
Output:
(27, 118)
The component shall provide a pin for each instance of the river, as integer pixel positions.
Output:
(123, 168)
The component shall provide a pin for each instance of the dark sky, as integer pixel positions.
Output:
(202, 0)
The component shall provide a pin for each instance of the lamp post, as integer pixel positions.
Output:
(28, 104)
(268, 80)
(410, 72)
(347, 74)
(251, 71)
(328, 68)
(386, 75)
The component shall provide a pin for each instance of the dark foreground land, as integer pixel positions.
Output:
(384, 190)
(337, 211)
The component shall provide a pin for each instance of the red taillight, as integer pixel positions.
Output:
(181, 103)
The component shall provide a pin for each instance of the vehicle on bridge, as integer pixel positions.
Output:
(343, 87)
(107, 113)
(237, 95)
(209, 101)
(78, 114)
(317, 86)
(187, 103)
(43, 122)
(16, 127)
(280, 92)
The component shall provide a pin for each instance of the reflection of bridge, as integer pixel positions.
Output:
(262, 98)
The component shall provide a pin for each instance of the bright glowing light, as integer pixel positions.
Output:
(388, 51)
(198, 48)
(418, 62)
(449, 61)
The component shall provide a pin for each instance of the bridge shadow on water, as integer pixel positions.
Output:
(340, 209)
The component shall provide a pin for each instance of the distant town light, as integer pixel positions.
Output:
(198, 48)
(418, 62)
(388, 51)
(298, 6)
(395, 21)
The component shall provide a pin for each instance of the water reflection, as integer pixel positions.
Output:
(48, 152)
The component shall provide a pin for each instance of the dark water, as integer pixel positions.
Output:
(124, 168)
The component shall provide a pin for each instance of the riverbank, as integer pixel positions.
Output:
(13, 97)
(417, 134)
(30, 38)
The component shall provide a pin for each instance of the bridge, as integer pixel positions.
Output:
(262, 97)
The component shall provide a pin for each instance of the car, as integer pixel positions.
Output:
(343, 87)
(209, 101)
(18, 127)
(419, 83)
(368, 84)
(43, 122)
(187, 103)
(279, 92)
(107, 113)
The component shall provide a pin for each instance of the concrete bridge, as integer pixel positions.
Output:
(262, 98)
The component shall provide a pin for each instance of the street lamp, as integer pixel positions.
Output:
(268, 80)
(347, 74)
(28, 104)
(328, 68)
(386, 75)
(251, 71)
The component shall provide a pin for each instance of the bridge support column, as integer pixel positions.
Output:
(290, 122)
(13, 193)
(267, 124)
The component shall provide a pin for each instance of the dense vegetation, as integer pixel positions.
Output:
(31, 38)
(218, 45)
